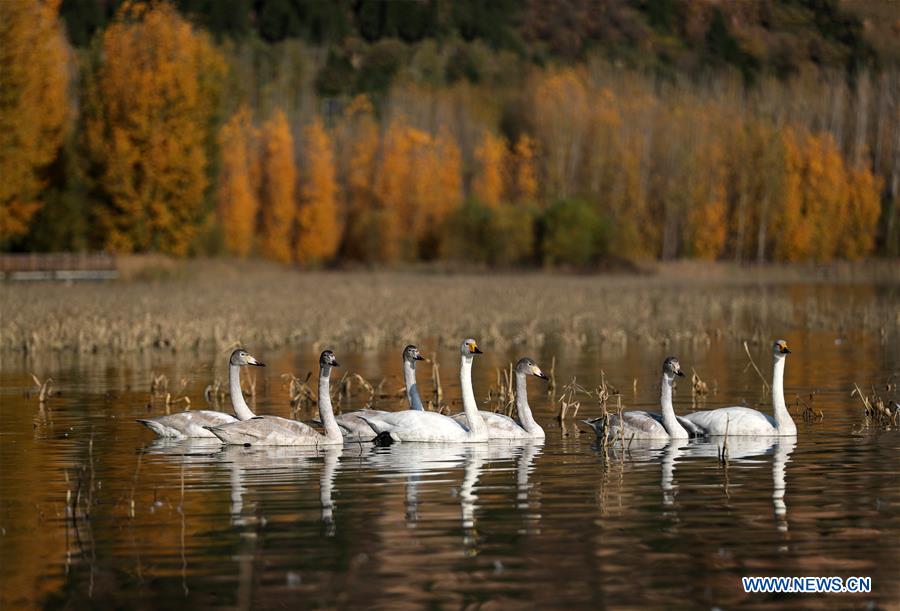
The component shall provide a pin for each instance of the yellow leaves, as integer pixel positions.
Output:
(827, 210)
(237, 196)
(149, 105)
(524, 172)
(34, 108)
(491, 158)
(279, 176)
(417, 185)
(319, 231)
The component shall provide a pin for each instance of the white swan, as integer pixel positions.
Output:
(501, 426)
(413, 425)
(352, 424)
(747, 421)
(650, 425)
(277, 431)
(193, 423)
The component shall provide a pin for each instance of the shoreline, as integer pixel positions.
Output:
(201, 304)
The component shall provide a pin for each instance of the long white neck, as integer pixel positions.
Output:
(326, 412)
(412, 389)
(670, 422)
(241, 409)
(477, 428)
(524, 410)
(783, 421)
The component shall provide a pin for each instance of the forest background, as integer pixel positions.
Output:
(507, 133)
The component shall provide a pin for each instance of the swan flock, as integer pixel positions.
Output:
(417, 424)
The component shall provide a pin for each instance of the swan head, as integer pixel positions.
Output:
(671, 367)
(780, 348)
(411, 354)
(241, 357)
(527, 366)
(470, 347)
(327, 359)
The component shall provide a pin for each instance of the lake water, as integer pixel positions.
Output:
(93, 513)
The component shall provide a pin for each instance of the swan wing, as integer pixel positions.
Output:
(187, 424)
(354, 426)
(501, 426)
(733, 420)
(414, 425)
(633, 425)
(268, 430)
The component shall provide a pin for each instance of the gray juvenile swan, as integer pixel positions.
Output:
(193, 423)
(501, 426)
(277, 431)
(747, 421)
(414, 425)
(352, 424)
(650, 425)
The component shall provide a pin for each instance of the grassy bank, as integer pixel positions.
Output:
(161, 305)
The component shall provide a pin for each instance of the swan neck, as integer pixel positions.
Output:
(241, 409)
(526, 419)
(670, 422)
(476, 422)
(326, 412)
(412, 389)
(783, 420)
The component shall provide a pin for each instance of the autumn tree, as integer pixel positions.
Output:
(237, 195)
(524, 170)
(359, 143)
(278, 181)
(491, 159)
(150, 104)
(319, 230)
(34, 107)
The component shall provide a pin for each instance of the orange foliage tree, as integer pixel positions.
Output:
(34, 107)
(491, 157)
(524, 176)
(319, 229)
(237, 195)
(278, 181)
(359, 143)
(149, 112)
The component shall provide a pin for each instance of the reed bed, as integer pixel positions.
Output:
(214, 304)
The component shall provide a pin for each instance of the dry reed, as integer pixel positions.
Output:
(213, 304)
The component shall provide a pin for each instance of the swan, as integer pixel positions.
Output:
(650, 425)
(501, 426)
(415, 425)
(352, 424)
(747, 421)
(277, 431)
(193, 423)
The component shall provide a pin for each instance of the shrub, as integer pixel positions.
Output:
(572, 233)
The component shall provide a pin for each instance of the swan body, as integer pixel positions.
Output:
(649, 425)
(194, 423)
(353, 424)
(746, 421)
(415, 425)
(501, 426)
(277, 431)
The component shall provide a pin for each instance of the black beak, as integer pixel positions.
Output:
(542, 376)
(419, 357)
(785, 351)
(258, 364)
(335, 364)
(478, 350)
(679, 373)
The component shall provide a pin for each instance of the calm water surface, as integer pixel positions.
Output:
(93, 513)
